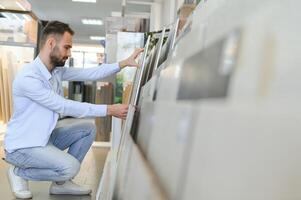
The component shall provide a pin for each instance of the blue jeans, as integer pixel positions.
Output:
(52, 163)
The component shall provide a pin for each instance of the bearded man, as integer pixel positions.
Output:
(33, 144)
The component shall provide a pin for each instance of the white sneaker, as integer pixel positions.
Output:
(18, 185)
(68, 187)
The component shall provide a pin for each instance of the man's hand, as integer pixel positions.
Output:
(118, 110)
(131, 61)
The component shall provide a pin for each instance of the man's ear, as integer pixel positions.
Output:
(50, 43)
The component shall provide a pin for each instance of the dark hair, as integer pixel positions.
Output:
(56, 28)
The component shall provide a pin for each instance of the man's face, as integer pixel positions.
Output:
(61, 51)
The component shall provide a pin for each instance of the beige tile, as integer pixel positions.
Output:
(89, 174)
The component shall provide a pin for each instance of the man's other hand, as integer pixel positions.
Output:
(131, 61)
(118, 110)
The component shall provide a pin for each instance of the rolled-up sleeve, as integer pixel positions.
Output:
(90, 74)
(34, 89)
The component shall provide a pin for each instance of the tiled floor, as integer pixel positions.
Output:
(89, 175)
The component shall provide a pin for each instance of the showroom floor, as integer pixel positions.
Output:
(89, 175)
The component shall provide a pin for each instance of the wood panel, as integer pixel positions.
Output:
(6, 95)
(11, 71)
(126, 95)
(1, 94)
(1, 118)
(7, 71)
(104, 95)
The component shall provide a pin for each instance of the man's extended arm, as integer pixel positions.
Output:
(100, 72)
(33, 88)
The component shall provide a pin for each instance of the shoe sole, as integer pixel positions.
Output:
(22, 197)
(14, 193)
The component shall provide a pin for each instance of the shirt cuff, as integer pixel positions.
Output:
(116, 67)
(100, 110)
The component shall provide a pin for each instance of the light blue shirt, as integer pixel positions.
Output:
(38, 101)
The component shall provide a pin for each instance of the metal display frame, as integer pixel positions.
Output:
(170, 43)
(126, 129)
(140, 76)
(138, 81)
(155, 61)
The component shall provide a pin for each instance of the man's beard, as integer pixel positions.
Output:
(55, 59)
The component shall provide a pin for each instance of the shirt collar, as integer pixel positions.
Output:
(43, 69)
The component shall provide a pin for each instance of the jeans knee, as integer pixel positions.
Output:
(91, 128)
(93, 132)
(70, 169)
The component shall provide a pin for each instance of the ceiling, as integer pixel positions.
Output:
(72, 13)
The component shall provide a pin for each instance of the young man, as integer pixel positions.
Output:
(32, 144)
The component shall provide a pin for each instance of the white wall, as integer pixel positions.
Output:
(163, 13)
(155, 16)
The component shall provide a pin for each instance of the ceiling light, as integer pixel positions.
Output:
(85, 1)
(92, 22)
(1, 6)
(97, 38)
(20, 5)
